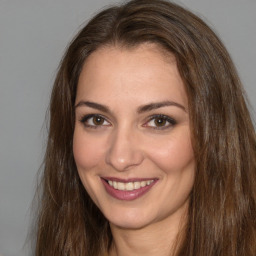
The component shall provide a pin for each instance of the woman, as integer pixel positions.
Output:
(151, 148)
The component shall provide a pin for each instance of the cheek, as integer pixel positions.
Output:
(86, 150)
(172, 154)
(87, 156)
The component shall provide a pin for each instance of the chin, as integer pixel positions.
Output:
(129, 219)
(129, 223)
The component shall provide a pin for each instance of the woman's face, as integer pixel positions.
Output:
(132, 144)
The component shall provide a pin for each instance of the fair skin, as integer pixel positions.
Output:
(132, 146)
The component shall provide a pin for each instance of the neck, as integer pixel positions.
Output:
(158, 239)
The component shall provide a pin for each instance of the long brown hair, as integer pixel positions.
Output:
(222, 214)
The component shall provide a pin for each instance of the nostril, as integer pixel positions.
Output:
(124, 151)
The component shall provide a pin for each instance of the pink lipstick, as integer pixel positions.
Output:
(127, 189)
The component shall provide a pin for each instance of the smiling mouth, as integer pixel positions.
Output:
(129, 186)
(127, 190)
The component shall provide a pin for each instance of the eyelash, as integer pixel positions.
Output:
(164, 118)
(84, 120)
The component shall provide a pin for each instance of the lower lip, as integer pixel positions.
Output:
(127, 195)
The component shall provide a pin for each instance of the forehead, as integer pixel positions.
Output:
(143, 72)
(143, 50)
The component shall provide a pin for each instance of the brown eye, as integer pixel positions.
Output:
(94, 121)
(159, 122)
(97, 120)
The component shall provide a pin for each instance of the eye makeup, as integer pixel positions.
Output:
(160, 122)
(157, 121)
(94, 121)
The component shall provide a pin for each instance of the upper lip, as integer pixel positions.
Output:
(127, 180)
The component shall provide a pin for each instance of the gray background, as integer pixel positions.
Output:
(33, 36)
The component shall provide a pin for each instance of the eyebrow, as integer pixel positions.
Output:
(142, 109)
(93, 105)
(156, 105)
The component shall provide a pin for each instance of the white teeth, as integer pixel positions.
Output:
(120, 186)
(129, 186)
(143, 184)
(114, 184)
(136, 185)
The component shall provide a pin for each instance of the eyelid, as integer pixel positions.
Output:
(169, 119)
(85, 118)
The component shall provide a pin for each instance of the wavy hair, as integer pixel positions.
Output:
(222, 213)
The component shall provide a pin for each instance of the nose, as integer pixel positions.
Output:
(124, 150)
